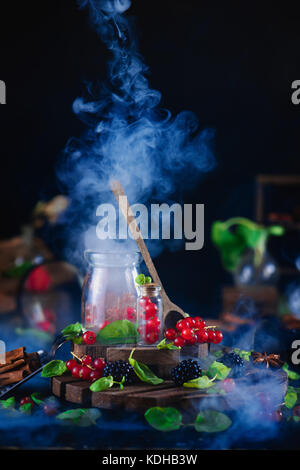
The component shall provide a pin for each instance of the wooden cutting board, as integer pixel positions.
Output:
(132, 397)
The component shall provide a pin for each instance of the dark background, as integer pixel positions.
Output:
(230, 63)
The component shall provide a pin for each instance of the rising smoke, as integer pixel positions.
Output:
(129, 135)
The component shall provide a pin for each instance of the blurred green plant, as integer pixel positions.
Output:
(237, 235)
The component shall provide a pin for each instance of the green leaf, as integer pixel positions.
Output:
(26, 408)
(118, 332)
(164, 345)
(218, 353)
(290, 399)
(148, 280)
(296, 419)
(19, 270)
(143, 372)
(35, 398)
(231, 245)
(218, 370)
(140, 279)
(42, 336)
(163, 419)
(54, 368)
(200, 382)
(276, 230)
(102, 384)
(243, 354)
(81, 417)
(212, 421)
(9, 403)
(291, 374)
(73, 332)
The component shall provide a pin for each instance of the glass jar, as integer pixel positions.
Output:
(109, 290)
(150, 315)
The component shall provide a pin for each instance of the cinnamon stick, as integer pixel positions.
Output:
(16, 370)
(11, 366)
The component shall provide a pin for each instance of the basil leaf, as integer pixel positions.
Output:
(140, 279)
(26, 408)
(291, 374)
(290, 399)
(163, 419)
(118, 332)
(200, 382)
(54, 368)
(143, 372)
(102, 384)
(81, 417)
(9, 403)
(148, 280)
(212, 421)
(35, 398)
(73, 332)
(164, 345)
(218, 370)
(296, 419)
(218, 353)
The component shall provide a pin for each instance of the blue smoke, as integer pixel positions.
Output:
(129, 135)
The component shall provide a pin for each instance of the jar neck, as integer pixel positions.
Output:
(150, 290)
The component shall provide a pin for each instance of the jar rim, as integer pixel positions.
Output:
(112, 258)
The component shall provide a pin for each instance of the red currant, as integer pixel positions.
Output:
(180, 325)
(189, 322)
(192, 340)
(87, 360)
(179, 342)
(188, 334)
(75, 371)
(228, 385)
(70, 364)
(199, 323)
(202, 336)
(130, 313)
(144, 301)
(170, 334)
(89, 337)
(84, 373)
(151, 309)
(95, 375)
(153, 324)
(99, 364)
(219, 337)
(151, 337)
(211, 336)
(26, 400)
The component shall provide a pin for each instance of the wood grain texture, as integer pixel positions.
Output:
(93, 350)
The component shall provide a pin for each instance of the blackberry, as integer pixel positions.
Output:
(235, 362)
(186, 370)
(120, 369)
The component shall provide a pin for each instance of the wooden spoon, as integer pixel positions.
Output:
(171, 312)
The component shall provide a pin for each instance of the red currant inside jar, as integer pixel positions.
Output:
(110, 293)
(150, 315)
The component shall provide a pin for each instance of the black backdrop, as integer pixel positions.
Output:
(232, 63)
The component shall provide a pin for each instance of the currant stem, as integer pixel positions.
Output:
(80, 360)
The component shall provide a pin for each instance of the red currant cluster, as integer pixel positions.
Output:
(149, 326)
(50, 409)
(193, 330)
(86, 368)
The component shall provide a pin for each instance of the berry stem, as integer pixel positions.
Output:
(80, 360)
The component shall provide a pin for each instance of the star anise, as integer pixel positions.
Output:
(269, 360)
